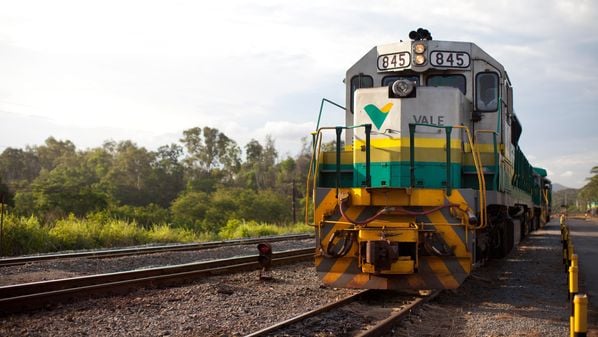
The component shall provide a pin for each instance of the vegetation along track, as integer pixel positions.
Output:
(367, 313)
(109, 253)
(28, 296)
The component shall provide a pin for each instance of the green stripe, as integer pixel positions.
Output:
(397, 174)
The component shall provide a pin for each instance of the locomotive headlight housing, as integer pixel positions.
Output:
(419, 48)
(420, 59)
(402, 88)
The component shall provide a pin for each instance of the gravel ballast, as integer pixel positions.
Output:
(56, 269)
(524, 294)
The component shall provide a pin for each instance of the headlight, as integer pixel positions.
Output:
(420, 59)
(419, 48)
(402, 88)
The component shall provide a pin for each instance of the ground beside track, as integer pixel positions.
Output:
(524, 294)
(584, 234)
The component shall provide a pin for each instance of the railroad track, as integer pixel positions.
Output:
(108, 253)
(29, 296)
(371, 312)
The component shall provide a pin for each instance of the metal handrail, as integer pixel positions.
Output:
(477, 161)
(314, 161)
(448, 130)
(496, 163)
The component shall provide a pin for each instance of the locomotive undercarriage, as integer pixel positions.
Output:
(507, 226)
(388, 239)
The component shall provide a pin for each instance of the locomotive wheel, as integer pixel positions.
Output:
(505, 238)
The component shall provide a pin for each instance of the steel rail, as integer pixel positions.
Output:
(381, 328)
(28, 296)
(301, 317)
(108, 253)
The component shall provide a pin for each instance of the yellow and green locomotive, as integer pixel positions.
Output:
(426, 179)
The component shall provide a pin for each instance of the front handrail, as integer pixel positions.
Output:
(314, 160)
(448, 130)
(476, 160)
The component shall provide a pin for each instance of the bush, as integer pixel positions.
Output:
(118, 233)
(73, 233)
(167, 234)
(24, 235)
(189, 208)
(241, 229)
(145, 216)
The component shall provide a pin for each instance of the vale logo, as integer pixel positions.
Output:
(378, 116)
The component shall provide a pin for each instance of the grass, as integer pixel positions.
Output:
(26, 235)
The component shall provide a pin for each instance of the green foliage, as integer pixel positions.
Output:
(197, 186)
(145, 216)
(6, 196)
(167, 234)
(73, 233)
(235, 228)
(189, 209)
(68, 189)
(23, 235)
(589, 192)
(118, 233)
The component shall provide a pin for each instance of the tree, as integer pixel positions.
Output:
(6, 196)
(129, 175)
(18, 168)
(66, 189)
(54, 152)
(211, 153)
(259, 170)
(167, 176)
(589, 192)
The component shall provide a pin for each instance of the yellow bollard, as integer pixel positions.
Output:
(573, 277)
(570, 252)
(580, 313)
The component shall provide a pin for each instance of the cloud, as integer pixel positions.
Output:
(148, 70)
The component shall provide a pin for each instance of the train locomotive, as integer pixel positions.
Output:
(426, 179)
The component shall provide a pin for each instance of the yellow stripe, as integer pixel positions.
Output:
(442, 272)
(338, 269)
(452, 239)
(419, 142)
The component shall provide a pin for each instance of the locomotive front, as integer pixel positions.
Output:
(400, 205)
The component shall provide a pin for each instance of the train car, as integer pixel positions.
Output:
(426, 179)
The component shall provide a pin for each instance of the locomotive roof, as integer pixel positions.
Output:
(473, 50)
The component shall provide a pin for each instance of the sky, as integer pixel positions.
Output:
(90, 71)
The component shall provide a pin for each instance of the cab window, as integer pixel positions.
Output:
(486, 91)
(358, 82)
(454, 81)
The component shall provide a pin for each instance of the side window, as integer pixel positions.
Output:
(486, 91)
(455, 81)
(391, 79)
(358, 82)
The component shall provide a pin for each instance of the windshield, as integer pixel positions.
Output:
(455, 81)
